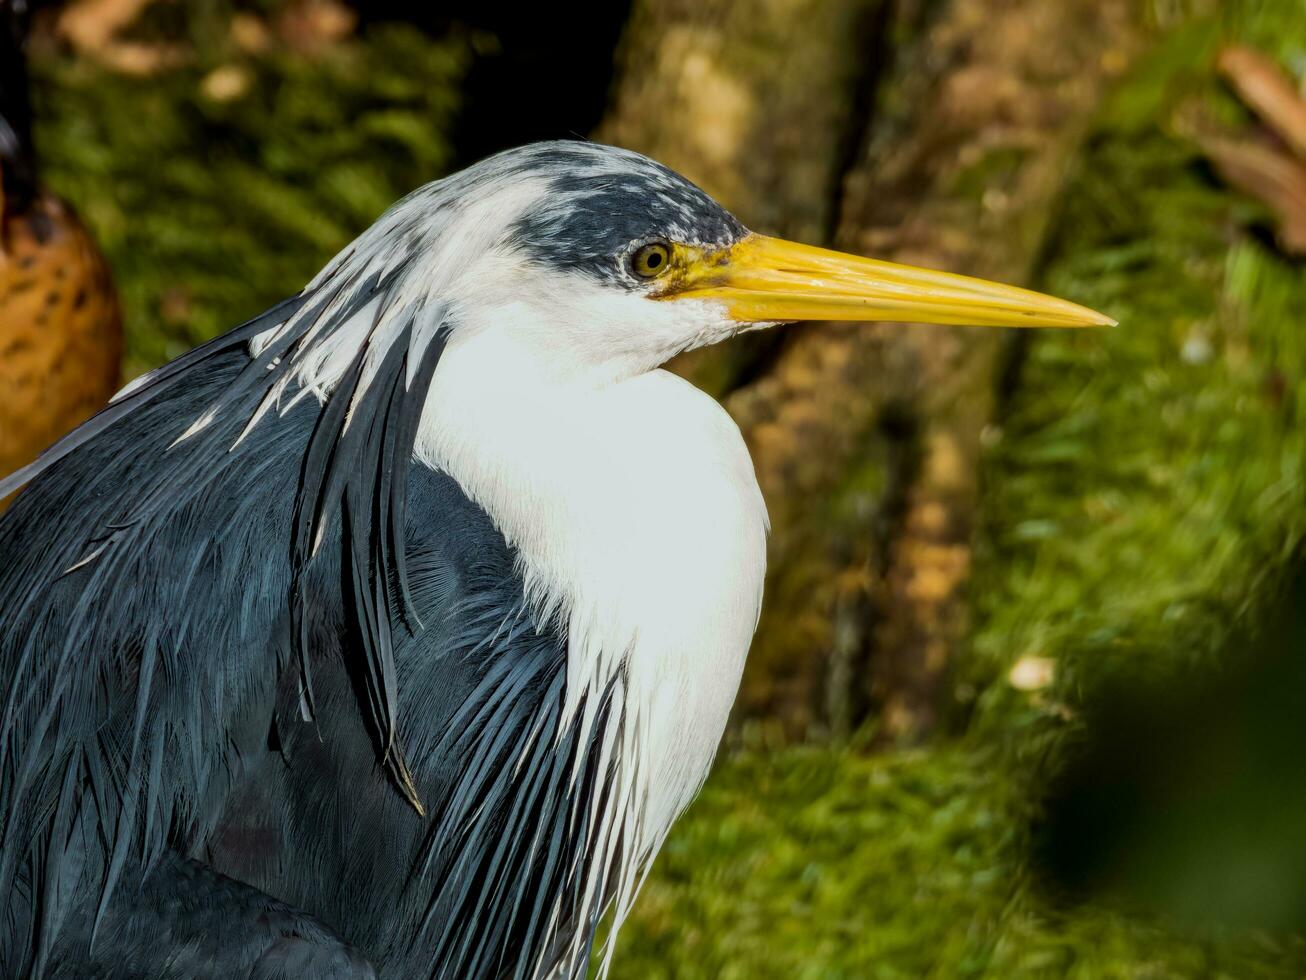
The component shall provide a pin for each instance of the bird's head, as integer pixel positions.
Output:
(587, 258)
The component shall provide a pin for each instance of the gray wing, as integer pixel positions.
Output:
(160, 633)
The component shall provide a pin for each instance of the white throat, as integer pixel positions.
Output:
(639, 523)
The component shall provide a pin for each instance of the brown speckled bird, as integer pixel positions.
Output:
(60, 326)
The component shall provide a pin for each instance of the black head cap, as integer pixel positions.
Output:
(602, 201)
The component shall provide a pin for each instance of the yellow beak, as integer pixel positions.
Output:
(765, 280)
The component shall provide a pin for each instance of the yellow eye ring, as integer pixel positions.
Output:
(651, 260)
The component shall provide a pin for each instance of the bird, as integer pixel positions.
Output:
(388, 634)
(60, 324)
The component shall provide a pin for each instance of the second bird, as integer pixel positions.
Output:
(60, 329)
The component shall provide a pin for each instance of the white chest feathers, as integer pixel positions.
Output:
(639, 523)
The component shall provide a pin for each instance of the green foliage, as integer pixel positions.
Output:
(814, 864)
(1151, 480)
(212, 208)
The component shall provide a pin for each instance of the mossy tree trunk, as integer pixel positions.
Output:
(932, 133)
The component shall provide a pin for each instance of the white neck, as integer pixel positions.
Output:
(639, 525)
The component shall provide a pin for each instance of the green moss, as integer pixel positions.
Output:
(1152, 478)
(211, 210)
(812, 863)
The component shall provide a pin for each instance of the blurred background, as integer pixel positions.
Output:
(1028, 698)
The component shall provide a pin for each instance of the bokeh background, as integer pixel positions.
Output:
(1029, 694)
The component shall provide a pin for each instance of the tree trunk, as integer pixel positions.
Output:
(867, 438)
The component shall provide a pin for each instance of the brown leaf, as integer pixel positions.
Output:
(92, 25)
(311, 26)
(1269, 92)
(94, 28)
(1270, 176)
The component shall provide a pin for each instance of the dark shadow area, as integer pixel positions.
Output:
(544, 72)
(1189, 797)
(17, 162)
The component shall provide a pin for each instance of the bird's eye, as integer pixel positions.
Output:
(651, 260)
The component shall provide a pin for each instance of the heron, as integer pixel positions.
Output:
(388, 634)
